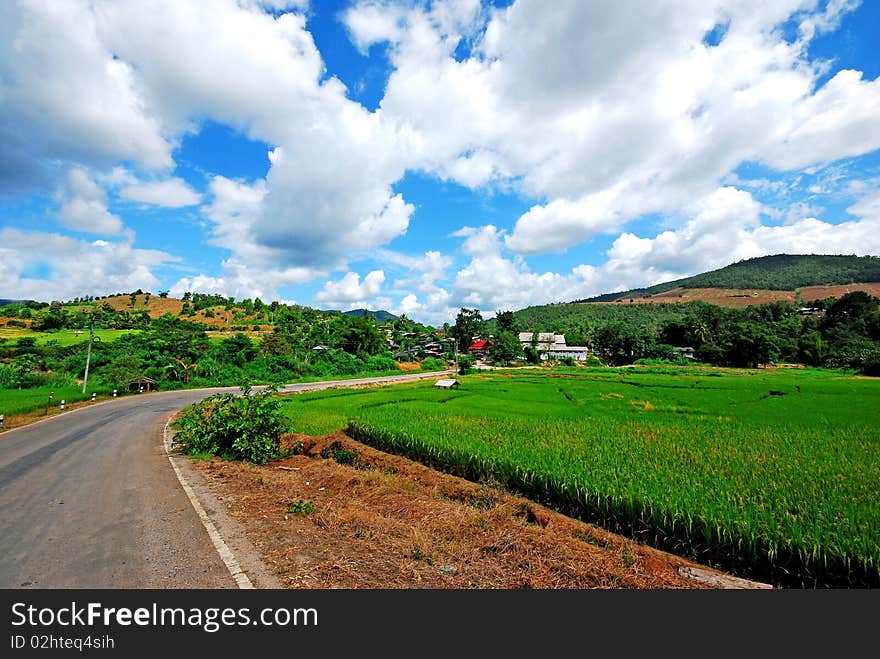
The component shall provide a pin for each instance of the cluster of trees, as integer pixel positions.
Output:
(177, 352)
(845, 334)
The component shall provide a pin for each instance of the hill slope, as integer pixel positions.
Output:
(380, 316)
(780, 272)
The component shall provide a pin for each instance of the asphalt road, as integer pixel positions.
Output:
(88, 499)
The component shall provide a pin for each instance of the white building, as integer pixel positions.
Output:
(553, 346)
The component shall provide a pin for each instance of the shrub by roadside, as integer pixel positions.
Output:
(245, 427)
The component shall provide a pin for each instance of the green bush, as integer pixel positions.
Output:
(466, 364)
(434, 364)
(246, 427)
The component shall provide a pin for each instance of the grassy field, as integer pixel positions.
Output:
(61, 337)
(19, 401)
(773, 475)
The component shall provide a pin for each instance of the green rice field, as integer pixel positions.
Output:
(20, 401)
(772, 475)
(65, 337)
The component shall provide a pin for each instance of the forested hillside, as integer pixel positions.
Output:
(199, 340)
(781, 272)
(838, 332)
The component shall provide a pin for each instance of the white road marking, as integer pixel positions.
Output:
(222, 548)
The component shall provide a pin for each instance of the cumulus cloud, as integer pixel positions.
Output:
(84, 205)
(135, 77)
(252, 270)
(723, 227)
(74, 267)
(350, 292)
(64, 95)
(169, 193)
(493, 282)
(597, 118)
(726, 227)
(608, 118)
(424, 297)
(241, 281)
(333, 162)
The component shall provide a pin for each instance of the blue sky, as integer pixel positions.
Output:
(421, 156)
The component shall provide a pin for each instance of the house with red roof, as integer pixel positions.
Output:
(480, 348)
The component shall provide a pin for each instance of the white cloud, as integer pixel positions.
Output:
(369, 23)
(350, 292)
(84, 205)
(596, 117)
(169, 193)
(839, 120)
(494, 283)
(423, 298)
(75, 267)
(135, 77)
(65, 97)
(608, 118)
(725, 227)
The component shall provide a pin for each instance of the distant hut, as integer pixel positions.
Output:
(447, 384)
(142, 384)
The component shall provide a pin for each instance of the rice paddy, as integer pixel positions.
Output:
(773, 475)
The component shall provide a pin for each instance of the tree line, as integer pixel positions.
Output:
(841, 333)
(177, 352)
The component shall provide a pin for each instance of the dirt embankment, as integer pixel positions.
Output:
(344, 515)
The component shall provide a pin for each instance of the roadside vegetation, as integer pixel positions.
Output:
(43, 347)
(769, 474)
(246, 427)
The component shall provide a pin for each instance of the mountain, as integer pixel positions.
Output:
(780, 272)
(380, 316)
(4, 302)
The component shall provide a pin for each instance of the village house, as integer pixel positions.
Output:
(553, 346)
(480, 348)
(686, 351)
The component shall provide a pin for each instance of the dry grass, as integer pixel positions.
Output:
(730, 297)
(811, 293)
(388, 522)
(157, 306)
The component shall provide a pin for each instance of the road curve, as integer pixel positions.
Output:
(88, 499)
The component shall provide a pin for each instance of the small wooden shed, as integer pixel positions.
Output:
(447, 384)
(142, 384)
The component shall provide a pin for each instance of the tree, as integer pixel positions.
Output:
(163, 294)
(506, 348)
(362, 336)
(123, 370)
(238, 350)
(468, 324)
(506, 321)
(274, 344)
(623, 343)
(747, 344)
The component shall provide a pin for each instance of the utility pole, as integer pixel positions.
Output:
(89, 350)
